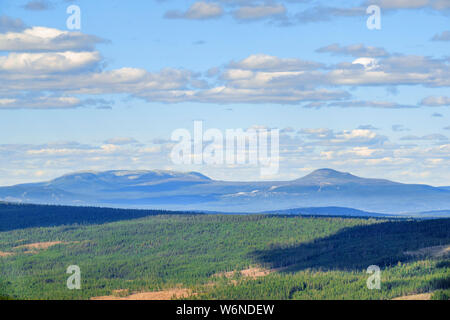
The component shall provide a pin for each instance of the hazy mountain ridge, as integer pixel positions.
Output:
(159, 189)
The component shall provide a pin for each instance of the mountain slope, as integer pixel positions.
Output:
(194, 191)
(332, 177)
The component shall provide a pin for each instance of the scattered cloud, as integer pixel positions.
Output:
(436, 136)
(435, 101)
(8, 24)
(264, 62)
(444, 36)
(43, 102)
(356, 137)
(400, 4)
(49, 62)
(47, 39)
(356, 50)
(258, 12)
(399, 128)
(318, 11)
(299, 148)
(197, 11)
(47, 68)
(367, 127)
(326, 13)
(438, 5)
(38, 5)
(370, 104)
(66, 64)
(120, 141)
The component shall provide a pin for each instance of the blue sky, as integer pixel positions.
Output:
(371, 102)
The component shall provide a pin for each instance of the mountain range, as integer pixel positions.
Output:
(160, 189)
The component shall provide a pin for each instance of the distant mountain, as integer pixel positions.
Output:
(329, 177)
(330, 211)
(432, 214)
(125, 180)
(158, 189)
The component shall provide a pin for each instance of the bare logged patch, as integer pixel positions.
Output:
(436, 251)
(152, 295)
(120, 291)
(6, 254)
(422, 296)
(229, 274)
(31, 248)
(39, 245)
(254, 273)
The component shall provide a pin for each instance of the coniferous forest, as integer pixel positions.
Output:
(122, 252)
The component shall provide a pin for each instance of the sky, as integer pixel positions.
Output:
(373, 102)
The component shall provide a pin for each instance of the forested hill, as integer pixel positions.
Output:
(19, 216)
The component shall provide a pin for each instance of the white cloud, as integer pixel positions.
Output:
(354, 138)
(48, 62)
(264, 62)
(41, 103)
(395, 70)
(47, 39)
(257, 78)
(5, 102)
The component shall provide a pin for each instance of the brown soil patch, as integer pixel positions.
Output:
(39, 245)
(120, 291)
(253, 272)
(436, 251)
(422, 296)
(152, 295)
(31, 248)
(6, 254)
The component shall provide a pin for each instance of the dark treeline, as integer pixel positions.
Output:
(19, 216)
(353, 248)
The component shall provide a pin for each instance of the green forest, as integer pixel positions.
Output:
(141, 251)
